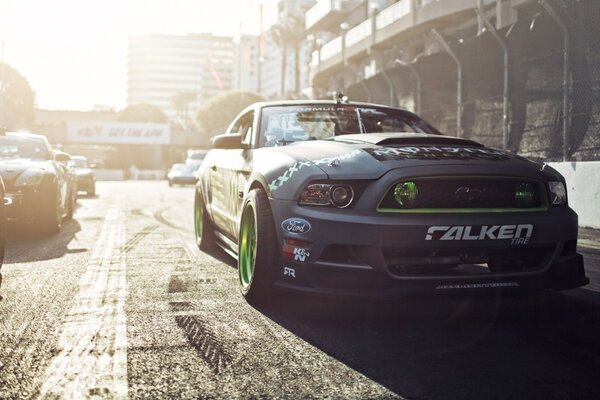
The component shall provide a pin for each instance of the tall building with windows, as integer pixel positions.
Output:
(178, 73)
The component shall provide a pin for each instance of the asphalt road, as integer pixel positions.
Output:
(121, 304)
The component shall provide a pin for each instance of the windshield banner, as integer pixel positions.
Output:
(118, 133)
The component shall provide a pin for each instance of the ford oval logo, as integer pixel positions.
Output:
(296, 225)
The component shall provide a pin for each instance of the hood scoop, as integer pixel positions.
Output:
(407, 139)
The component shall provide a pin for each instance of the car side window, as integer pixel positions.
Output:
(245, 128)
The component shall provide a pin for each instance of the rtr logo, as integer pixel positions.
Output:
(300, 254)
(291, 272)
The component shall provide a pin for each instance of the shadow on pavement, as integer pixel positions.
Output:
(542, 346)
(23, 246)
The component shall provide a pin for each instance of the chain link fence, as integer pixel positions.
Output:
(535, 84)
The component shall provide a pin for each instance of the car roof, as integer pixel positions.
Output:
(321, 102)
(26, 135)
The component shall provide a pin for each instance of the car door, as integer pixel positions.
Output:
(243, 167)
(226, 166)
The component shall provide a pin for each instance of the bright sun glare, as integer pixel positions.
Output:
(73, 53)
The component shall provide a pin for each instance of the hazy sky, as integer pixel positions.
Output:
(73, 52)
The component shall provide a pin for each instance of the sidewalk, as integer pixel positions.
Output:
(589, 238)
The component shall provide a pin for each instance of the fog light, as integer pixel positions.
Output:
(524, 194)
(406, 193)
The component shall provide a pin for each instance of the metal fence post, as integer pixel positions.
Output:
(494, 32)
(566, 49)
(414, 71)
(446, 47)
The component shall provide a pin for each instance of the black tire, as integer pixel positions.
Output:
(49, 213)
(257, 249)
(203, 226)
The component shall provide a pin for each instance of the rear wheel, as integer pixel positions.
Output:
(257, 249)
(203, 226)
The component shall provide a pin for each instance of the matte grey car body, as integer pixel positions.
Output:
(356, 208)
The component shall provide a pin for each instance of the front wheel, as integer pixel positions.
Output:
(257, 249)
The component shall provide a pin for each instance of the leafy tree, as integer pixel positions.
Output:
(16, 99)
(142, 112)
(216, 114)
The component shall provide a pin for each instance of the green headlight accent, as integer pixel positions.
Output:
(406, 193)
(524, 194)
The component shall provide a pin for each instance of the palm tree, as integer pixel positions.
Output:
(279, 35)
(286, 34)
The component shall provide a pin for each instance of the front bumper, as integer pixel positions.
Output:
(22, 203)
(355, 253)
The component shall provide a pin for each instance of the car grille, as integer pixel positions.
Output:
(464, 193)
(459, 262)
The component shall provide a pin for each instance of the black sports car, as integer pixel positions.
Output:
(39, 184)
(360, 199)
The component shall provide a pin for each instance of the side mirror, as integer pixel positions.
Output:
(229, 141)
(61, 156)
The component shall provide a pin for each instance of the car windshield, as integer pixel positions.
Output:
(281, 125)
(16, 147)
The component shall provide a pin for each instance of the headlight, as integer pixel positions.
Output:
(31, 177)
(558, 193)
(325, 194)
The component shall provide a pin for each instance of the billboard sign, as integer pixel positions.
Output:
(118, 133)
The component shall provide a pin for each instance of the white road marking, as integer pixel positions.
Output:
(93, 342)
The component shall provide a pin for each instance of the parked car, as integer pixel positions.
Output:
(195, 157)
(38, 181)
(357, 199)
(182, 174)
(86, 179)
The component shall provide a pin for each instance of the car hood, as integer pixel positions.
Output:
(11, 169)
(370, 156)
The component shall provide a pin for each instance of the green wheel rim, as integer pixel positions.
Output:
(198, 219)
(247, 249)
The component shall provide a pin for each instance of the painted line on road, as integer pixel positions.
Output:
(93, 342)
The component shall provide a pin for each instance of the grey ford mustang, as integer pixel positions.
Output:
(358, 199)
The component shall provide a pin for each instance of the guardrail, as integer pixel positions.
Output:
(583, 189)
(393, 13)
